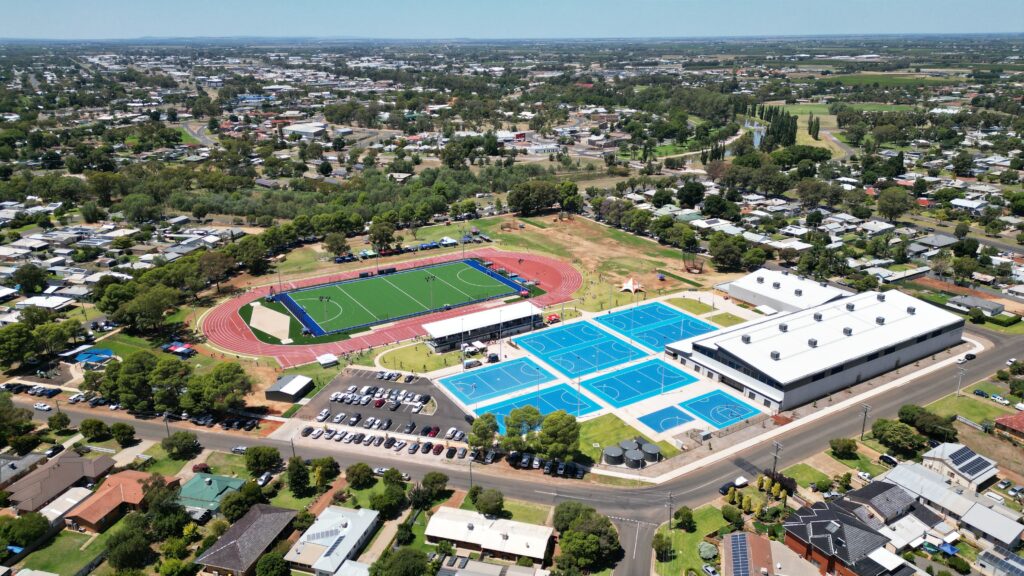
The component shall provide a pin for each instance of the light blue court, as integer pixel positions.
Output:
(665, 419)
(560, 397)
(578, 349)
(483, 384)
(638, 382)
(655, 324)
(719, 409)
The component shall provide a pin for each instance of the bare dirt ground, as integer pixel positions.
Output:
(935, 284)
(1009, 457)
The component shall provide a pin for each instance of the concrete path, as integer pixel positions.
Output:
(127, 456)
(186, 472)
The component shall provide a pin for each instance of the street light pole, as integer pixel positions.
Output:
(775, 456)
(959, 380)
(864, 425)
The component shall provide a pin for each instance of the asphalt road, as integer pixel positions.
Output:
(636, 511)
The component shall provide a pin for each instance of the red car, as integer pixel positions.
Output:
(433, 431)
(438, 448)
(378, 402)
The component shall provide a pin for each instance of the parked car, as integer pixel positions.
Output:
(238, 450)
(54, 450)
(41, 406)
(888, 459)
(461, 453)
(981, 393)
(307, 431)
(201, 467)
(414, 447)
(317, 433)
(427, 447)
(1004, 484)
(709, 570)
(264, 479)
(438, 448)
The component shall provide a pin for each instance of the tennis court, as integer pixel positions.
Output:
(496, 380)
(638, 382)
(719, 409)
(560, 397)
(665, 419)
(579, 348)
(654, 324)
(362, 302)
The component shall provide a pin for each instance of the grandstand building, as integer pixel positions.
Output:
(451, 333)
(787, 360)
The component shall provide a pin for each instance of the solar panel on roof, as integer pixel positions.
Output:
(1001, 566)
(974, 466)
(962, 455)
(740, 554)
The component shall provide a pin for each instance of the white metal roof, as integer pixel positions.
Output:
(797, 292)
(470, 322)
(495, 534)
(788, 347)
(291, 384)
(992, 523)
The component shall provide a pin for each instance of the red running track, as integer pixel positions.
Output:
(225, 329)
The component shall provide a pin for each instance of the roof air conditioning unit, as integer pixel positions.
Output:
(785, 272)
(798, 292)
(881, 297)
(470, 526)
(850, 306)
(911, 310)
(823, 284)
(813, 342)
(776, 285)
(880, 320)
(847, 331)
(775, 355)
(760, 279)
(783, 327)
(817, 316)
(745, 338)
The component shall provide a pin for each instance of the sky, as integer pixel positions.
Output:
(508, 19)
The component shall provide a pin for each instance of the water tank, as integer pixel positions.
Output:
(634, 458)
(628, 445)
(613, 455)
(651, 452)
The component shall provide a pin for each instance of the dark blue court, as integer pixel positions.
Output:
(560, 397)
(579, 348)
(665, 419)
(719, 409)
(654, 324)
(483, 384)
(638, 382)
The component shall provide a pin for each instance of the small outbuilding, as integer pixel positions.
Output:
(289, 388)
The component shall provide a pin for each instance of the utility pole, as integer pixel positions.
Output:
(864, 425)
(775, 457)
(292, 442)
(669, 505)
(959, 380)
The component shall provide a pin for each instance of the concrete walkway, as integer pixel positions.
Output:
(186, 472)
(128, 455)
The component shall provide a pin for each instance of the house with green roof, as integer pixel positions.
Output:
(204, 492)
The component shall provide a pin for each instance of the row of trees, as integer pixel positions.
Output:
(553, 436)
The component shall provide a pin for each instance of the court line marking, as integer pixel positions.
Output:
(407, 295)
(452, 287)
(350, 297)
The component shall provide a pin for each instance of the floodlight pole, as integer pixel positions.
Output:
(864, 425)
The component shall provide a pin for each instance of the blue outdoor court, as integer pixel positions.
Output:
(560, 397)
(654, 324)
(579, 348)
(719, 409)
(496, 380)
(665, 419)
(638, 382)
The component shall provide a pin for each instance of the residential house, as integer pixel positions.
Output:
(118, 494)
(333, 540)
(498, 537)
(876, 228)
(1011, 427)
(745, 554)
(974, 207)
(203, 493)
(965, 303)
(236, 552)
(47, 482)
(13, 467)
(960, 465)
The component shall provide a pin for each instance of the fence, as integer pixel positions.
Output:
(970, 423)
(741, 425)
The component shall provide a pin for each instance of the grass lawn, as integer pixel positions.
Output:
(419, 529)
(609, 429)
(726, 319)
(161, 463)
(970, 407)
(684, 544)
(995, 388)
(124, 345)
(285, 499)
(860, 462)
(63, 555)
(690, 305)
(519, 511)
(418, 357)
(187, 138)
(805, 475)
(888, 79)
(226, 464)
(362, 497)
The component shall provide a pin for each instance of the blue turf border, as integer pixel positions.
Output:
(304, 318)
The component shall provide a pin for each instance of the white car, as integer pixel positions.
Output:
(1011, 361)
(317, 433)
(42, 406)
(961, 360)
(323, 415)
(864, 476)
(999, 400)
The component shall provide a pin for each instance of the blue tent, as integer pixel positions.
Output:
(948, 549)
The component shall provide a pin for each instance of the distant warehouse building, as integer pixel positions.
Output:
(782, 291)
(289, 388)
(788, 360)
(491, 324)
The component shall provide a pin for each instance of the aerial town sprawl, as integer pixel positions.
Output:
(733, 307)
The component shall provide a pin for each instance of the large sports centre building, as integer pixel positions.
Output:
(787, 360)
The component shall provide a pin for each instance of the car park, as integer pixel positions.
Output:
(355, 419)
(323, 415)
(329, 434)
(399, 445)
(462, 453)
(414, 447)
(433, 431)
(389, 443)
(338, 417)
(451, 452)
(409, 427)
(340, 436)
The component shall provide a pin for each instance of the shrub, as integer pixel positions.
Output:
(845, 448)
(359, 476)
(707, 551)
(959, 564)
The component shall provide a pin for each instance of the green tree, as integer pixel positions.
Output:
(662, 545)
(684, 519)
(893, 202)
(336, 243)
(215, 265)
(124, 434)
(128, 548)
(393, 477)
(298, 476)
(260, 459)
(520, 428)
(93, 429)
(567, 512)
(490, 502)
(17, 343)
(482, 431)
(59, 422)
(29, 278)
(388, 502)
(754, 258)
(962, 230)
(381, 235)
(897, 436)
(272, 564)
(180, 445)
(559, 435)
(27, 528)
(359, 476)
(435, 483)
(405, 561)
(167, 380)
(236, 504)
(845, 448)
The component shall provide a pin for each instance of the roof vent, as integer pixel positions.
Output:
(775, 355)
(813, 342)
(785, 272)
(776, 285)
(881, 297)
(504, 536)
(850, 306)
(911, 310)
(783, 327)
(470, 525)
(745, 338)
(880, 320)
(760, 279)
(817, 316)
(798, 292)
(209, 481)
(847, 331)
(823, 284)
